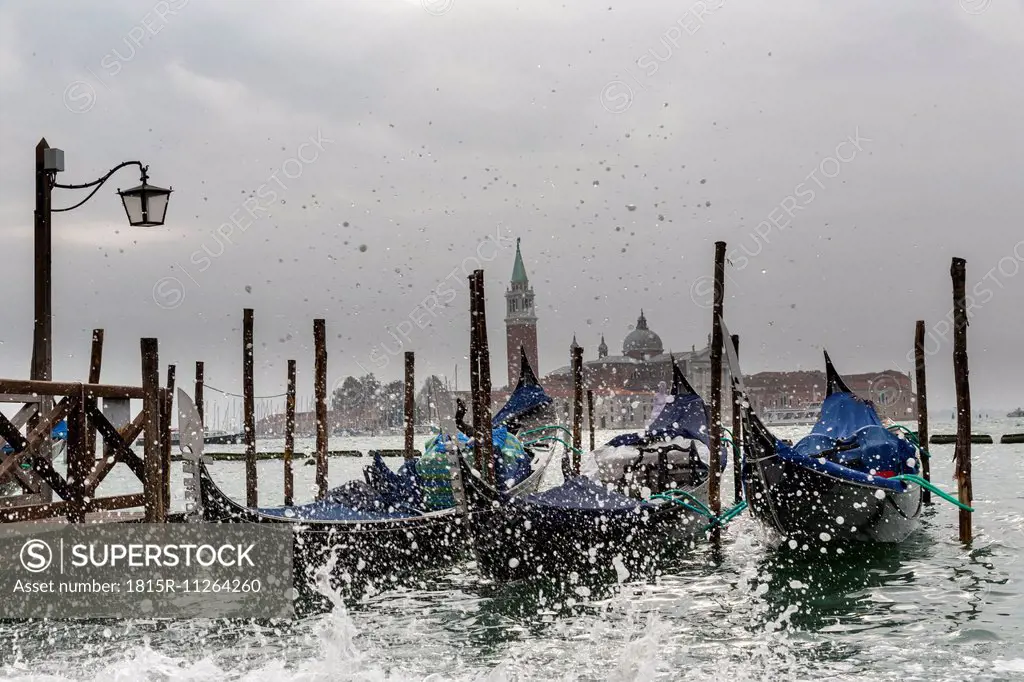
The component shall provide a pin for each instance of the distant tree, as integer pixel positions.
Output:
(348, 396)
(426, 400)
(392, 404)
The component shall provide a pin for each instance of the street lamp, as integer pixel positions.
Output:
(145, 206)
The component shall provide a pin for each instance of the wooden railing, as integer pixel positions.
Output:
(46, 403)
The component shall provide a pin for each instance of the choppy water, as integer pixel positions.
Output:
(927, 609)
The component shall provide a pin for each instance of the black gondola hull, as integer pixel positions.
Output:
(516, 539)
(810, 506)
(353, 556)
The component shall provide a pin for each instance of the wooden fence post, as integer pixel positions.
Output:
(152, 459)
(410, 402)
(320, 389)
(289, 436)
(79, 458)
(962, 455)
(165, 428)
(95, 364)
(922, 408)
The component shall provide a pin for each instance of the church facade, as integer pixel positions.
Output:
(623, 385)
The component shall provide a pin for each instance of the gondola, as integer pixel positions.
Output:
(838, 485)
(362, 530)
(595, 529)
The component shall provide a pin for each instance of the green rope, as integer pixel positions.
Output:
(688, 501)
(732, 513)
(684, 505)
(674, 494)
(549, 427)
(911, 478)
(912, 437)
(731, 440)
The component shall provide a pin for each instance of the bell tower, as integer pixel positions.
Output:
(520, 320)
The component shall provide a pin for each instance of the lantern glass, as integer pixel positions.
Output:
(145, 205)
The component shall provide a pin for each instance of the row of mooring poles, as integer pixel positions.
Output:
(480, 378)
(962, 451)
(249, 417)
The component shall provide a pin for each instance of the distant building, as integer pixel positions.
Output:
(891, 392)
(624, 385)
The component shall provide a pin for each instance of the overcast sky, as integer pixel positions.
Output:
(367, 150)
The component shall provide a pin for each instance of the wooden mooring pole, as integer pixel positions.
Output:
(474, 371)
(922, 408)
(714, 479)
(96, 356)
(198, 397)
(962, 455)
(590, 416)
(289, 436)
(152, 464)
(485, 435)
(167, 407)
(95, 365)
(409, 411)
(320, 391)
(248, 392)
(737, 434)
(576, 363)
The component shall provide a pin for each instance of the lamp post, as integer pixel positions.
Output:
(145, 206)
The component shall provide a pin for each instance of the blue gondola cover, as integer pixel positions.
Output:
(878, 455)
(524, 399)
(581, 492)
(684, 416)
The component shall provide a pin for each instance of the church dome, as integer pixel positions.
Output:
(642, 342)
